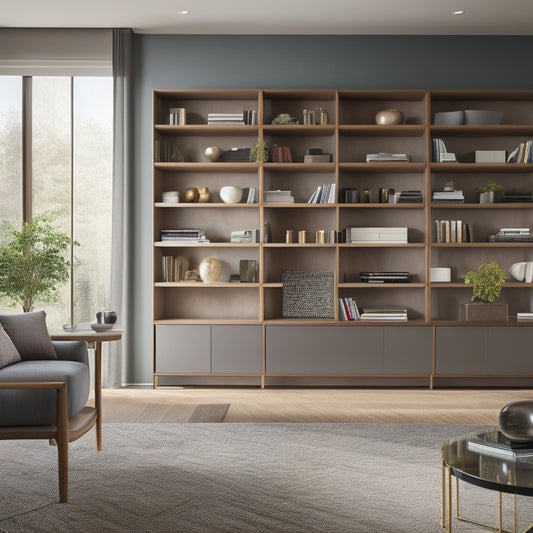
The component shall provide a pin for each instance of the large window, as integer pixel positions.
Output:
(68, 140)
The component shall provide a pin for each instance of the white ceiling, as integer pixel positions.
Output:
(353, 17)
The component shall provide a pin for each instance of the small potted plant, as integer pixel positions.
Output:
(487, 283)
(490, 192)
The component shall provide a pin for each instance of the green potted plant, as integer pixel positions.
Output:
(33, 261)
(487, 283)
(489, 192)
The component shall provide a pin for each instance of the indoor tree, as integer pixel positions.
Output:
(33, 261)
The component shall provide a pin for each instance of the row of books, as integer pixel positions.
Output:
(324, 194)
(281, 154)
(454, 231)
(250, 195)
(174, 268)
(348, 310)
(522, 154)
(279, 197)
(440, 153)
(246, 117)
(444, 197)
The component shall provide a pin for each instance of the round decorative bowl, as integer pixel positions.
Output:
(389, 116)
(449, 118)
(231, 194)
(518, 271)
(101, 327)
(213, 153)
(210, 270)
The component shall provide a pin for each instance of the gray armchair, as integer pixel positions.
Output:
(43, 398)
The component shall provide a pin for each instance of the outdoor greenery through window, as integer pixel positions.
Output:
(70, 177)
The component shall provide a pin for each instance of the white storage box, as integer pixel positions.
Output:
(379, 235)
(490, 156)
(441, 274)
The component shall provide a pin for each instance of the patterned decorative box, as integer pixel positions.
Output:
(308, 294)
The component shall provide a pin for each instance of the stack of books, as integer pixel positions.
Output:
(235, 155)
(324, 194)
(384, 313)
(441, 154)
(502, 447)
(384, 156)
(279, 197)
(173, 268)
(348, 309)
(444, 197)
(384, 277)
(454, 231)
(183, 235)
(512, 235)
(409, 197)
(515, 196)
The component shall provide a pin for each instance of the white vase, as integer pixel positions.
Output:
(486, 197)
(231, 194)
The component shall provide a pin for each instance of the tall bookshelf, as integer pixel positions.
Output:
(236, 330)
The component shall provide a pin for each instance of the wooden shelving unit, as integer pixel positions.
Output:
(239, 317)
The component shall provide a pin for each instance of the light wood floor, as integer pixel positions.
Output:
(174, 404)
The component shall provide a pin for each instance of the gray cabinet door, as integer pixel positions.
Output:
(510, 350)
(408, 350)
(182, 348)
(237, 349)
(324, 350)
(461, 350)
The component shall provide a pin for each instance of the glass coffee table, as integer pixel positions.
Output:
(484, 460)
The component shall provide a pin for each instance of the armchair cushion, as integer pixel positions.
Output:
(38, 407)
(8, 353)
(29, 334)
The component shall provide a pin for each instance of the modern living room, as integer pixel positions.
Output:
(339, 425)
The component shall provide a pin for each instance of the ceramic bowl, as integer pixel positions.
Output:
(101, 327)
(231, 194)
(482, 117)
(518, 271)
(449, 118)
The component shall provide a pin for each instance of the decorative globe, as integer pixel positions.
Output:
(213, 153)
(210, 270)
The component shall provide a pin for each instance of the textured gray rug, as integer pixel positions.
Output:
(328, 478)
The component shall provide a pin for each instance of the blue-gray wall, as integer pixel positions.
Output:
(292, 62)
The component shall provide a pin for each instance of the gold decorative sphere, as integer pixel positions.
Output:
(210, 270)
(213, 153)
(192, 195)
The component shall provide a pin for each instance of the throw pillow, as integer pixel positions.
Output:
(29, 334)
(8, 352)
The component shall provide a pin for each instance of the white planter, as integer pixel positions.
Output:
(486, 197)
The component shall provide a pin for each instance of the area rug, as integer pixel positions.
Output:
(328, 478)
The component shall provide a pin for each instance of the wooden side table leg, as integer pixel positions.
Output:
(98, 392)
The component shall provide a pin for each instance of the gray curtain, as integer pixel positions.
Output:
(122, 172)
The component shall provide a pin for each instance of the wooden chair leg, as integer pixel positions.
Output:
(62, 442)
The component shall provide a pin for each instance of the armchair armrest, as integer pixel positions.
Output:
(72, 351)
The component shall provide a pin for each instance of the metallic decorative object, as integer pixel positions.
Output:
(231, 194)
(302, 236)
(210, 270)
(389, 116)
(203, 194)
(516, 421)
(213, 153)
(192, 195)
(324, 119)
(289, 236)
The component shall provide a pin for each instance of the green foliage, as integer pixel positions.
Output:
(284, 118)
(32, 261)
(487, 281)
(491, 185)
(259, 152)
